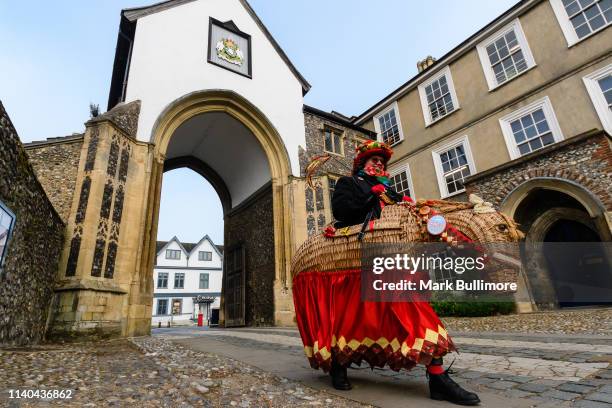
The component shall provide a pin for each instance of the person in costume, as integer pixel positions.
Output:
(356, 199)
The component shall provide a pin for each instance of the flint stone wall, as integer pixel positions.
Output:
(56, 164)
(28, 276)
(584, 159)
(252, 225)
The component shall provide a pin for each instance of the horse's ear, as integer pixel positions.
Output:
(474, 199)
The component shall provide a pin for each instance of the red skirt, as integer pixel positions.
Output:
(333, 321)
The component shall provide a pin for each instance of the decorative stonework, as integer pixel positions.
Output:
(124, 116)
(585, 160)
(92, 149)
(79, 218)
(107, 237)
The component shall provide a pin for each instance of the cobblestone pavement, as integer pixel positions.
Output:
(148, 372)
(597, 321)
(570, 369)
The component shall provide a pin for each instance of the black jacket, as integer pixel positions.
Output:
(353, 200)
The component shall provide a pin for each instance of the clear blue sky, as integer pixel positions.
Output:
(56, 57)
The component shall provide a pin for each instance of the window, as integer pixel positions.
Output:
(333, 141)
(162, 280)
(204, 281)
(179, 280)
(204, 256)
(388, 126)
(599, 86)
(331, 185)
(505, 55)
(438, 97)
(453, 164)
(177, 306)
(173, 254)
(581, 18)
(402, 182)
(162, 306)
(7, 222)
(530, 128)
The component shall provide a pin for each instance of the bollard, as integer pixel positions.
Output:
(168, 324)
(159, 325)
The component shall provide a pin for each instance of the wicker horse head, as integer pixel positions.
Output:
(476, 219)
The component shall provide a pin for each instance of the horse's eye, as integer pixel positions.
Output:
(502, 227)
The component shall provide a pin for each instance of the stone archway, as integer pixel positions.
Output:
(538, 205)
(238, 108)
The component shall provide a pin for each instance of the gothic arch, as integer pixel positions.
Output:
(231, 103)
(520, 187)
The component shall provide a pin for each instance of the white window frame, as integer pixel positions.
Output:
(394, 107)
(484, 56)
(423, 95)
(597, 97)
(464, 140)
(566, 25)
(401, 168)
(551, 119)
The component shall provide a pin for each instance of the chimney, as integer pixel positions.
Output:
(426, 63)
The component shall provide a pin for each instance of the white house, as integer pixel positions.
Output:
(187, 281)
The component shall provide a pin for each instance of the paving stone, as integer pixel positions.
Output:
(606, 374)
(577, 388)
(471, 374)
(482, 380)
(600, 396)
(607, 389)
(532, 387)
(590, 404)
(562, 395)
(518, 379)
(514, 393)
(501, 385)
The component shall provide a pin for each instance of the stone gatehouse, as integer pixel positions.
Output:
(223, 99)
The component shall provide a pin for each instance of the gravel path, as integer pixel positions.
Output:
(596, 321)
(148, 372)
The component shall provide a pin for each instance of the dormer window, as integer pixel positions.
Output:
(204, 256)
(173, 254)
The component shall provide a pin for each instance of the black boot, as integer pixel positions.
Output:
(443, 388)
(339, 378)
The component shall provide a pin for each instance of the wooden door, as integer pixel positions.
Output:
(234, 287)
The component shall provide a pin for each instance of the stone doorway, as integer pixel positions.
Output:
(553, 213)
(581, 269)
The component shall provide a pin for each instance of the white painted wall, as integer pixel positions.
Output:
(161, 256)
(205, 245)
(192, 267)
(169, 60)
